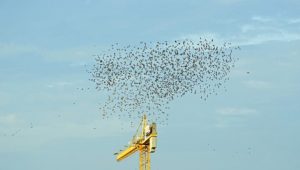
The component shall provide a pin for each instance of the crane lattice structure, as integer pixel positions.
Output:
(143, 141)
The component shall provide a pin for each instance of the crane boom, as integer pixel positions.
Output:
(126, 153)
(143, 141)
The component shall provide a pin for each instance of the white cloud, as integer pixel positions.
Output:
(261, 19)
(59, 84)
(267, 37)
(78, 64)
(231, 111)
(260, 30)
(246, 37)
(8, 119)
(294, 21)
(265, 29)
(257, 84)
(254, 28)
(76, 54)
(233, 116)
(12, 49)
(28, 136)
(96, 128)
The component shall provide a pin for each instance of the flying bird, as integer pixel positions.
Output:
(145, 78)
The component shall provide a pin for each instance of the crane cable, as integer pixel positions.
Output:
(136, 133)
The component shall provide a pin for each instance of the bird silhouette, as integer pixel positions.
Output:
(145, 78)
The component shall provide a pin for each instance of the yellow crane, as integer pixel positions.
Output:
(143, 141)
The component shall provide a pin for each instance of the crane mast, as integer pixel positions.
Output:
(144, 141)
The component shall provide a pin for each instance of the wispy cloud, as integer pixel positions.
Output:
(233, 116)
(8, 120)
(258, 30)
(232, 111)
(75, 54)
(78, 53)
(261, 19)
(257, 84)
(59, 84)
(28, 136)
(294, 21)
(12, 49)
(264, 29)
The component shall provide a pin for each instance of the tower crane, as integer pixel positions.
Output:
(144, 141)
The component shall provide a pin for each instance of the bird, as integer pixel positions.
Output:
(147, 77)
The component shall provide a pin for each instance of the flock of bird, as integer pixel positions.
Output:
(145, 78)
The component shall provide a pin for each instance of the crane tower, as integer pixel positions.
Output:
(144, 141)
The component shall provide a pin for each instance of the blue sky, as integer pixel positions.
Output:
(47, 123)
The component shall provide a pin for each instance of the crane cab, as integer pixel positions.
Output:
(153, 138)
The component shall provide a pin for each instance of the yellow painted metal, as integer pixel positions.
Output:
(148, 158)
(144, 142)
(142, 158)
(127, 152)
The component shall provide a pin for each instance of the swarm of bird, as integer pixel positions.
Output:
(145, 78)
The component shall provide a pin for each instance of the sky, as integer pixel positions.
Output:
(47, 122)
